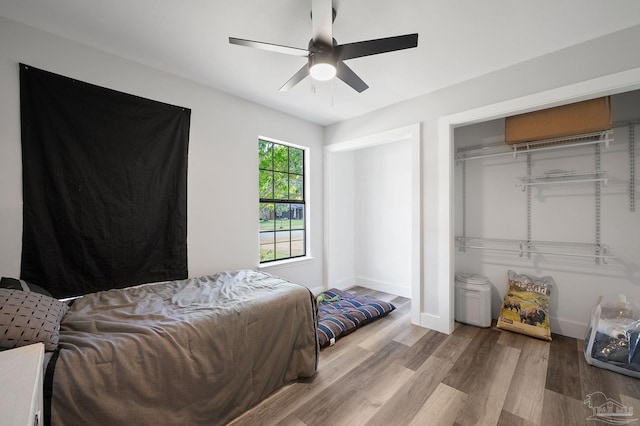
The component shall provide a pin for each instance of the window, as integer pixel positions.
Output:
(282, 201)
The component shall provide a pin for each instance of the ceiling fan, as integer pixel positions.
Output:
(325, 57)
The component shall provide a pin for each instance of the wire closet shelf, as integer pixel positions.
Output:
(525, 248)
(504, 149)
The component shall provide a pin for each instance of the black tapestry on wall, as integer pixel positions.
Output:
(104, 186)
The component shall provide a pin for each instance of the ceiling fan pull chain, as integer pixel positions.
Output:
(332, 87)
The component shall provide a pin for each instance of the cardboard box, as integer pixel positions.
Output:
(582, 117)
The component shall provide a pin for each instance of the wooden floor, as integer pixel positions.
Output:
(391, 372)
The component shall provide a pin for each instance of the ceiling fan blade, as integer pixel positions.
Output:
(322, 21)
(297, 78)
(271, 47)
(347, 75)
(374, 47)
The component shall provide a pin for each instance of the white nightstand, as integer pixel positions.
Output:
(21, 386)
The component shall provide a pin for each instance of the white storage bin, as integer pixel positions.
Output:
(473, 300)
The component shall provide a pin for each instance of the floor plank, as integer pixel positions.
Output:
(270, 412)
(631, 402)
(357, 396)
(469, 370)
(391, 372)
(561, 410)
(629, 386)
(563, 374)
(488, 390)
(441, 408)
(401, 408)
(378, 340)
(456, 343)
(508, 419)
(528, 382)
(414, 356)
(410, 335)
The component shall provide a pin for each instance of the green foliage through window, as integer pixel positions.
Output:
(282, 201)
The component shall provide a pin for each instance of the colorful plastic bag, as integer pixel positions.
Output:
(525, 307)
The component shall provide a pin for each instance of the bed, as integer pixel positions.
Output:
(197, 351)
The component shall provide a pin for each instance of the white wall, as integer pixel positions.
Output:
(340, 219)
(497, 208)
(597, 58)
(383, 217)
(222, 172)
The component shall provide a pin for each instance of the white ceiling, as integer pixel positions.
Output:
(458, 40)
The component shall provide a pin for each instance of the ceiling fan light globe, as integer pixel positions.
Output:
(322, 71)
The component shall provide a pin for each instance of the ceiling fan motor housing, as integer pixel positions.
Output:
(322, 62)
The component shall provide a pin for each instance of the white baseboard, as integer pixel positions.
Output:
(343, 283)
(568, 328)
(387, 287)
(560, 326)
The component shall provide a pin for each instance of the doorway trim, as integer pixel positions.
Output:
(624, 81)
(409, 133)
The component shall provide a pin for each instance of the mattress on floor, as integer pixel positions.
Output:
(339, 318)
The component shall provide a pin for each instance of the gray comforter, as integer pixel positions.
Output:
(193, 352)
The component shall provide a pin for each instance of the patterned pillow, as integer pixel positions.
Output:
(27, 317)
(336, 319)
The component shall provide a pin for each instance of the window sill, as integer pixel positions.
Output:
(279, 264)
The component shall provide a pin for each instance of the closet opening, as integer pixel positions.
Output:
(567, 212)
(372, 214)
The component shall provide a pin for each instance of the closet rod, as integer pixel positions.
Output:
(523, 185)
(529, 251)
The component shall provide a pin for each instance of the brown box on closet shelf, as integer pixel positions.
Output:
(582, 117)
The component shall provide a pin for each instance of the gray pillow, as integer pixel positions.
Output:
(27, 317)
(17, 284)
